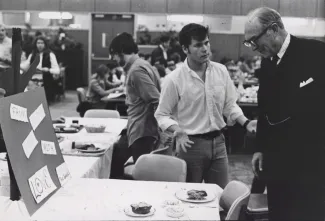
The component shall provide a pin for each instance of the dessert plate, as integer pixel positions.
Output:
(96, 150)
(128, 211)
(182, 195)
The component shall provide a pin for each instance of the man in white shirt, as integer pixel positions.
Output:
(5, 48)
(193, 102)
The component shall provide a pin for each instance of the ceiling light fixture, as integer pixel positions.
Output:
(55, 15)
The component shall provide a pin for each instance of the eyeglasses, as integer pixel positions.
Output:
(251, 43)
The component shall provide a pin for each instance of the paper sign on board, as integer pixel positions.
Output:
(48, 147)
(63, 173)
(37, 116)
(41, 184)
(18, 113)
(29, 144)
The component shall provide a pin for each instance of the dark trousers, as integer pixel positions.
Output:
(295, 186)
(258, 185)
(295, 200)
(143, 145)
(121, 153)
(48, 83)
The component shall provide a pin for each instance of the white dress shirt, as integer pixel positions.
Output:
(5, 51)
(195, 106)
(164, 52)
(283, 48)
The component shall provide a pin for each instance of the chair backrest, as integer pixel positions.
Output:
(233, 198)
(102, 113)
(81, 92)
(165, 145)
(164, 151)
(156, 167)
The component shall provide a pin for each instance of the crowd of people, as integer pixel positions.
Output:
(179, 90)
(165, 58)
(53, 46)
(198, 100)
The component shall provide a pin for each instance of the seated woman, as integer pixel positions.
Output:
(48, 66)
(114, 76)
(100, 87)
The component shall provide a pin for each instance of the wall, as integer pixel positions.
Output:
(295, 8)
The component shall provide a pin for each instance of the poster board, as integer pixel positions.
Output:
(32, 147)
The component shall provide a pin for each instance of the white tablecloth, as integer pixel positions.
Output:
(113, 125)
(79, 167)
(93, 199)
(82, 167)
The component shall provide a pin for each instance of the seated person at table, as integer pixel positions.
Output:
(111, 73)
(99, 87)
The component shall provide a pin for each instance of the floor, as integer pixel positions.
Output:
(239, 164)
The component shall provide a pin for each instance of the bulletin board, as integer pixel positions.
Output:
(32, 147)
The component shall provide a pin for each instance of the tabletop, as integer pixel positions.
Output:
(113, 125)
(94, 199)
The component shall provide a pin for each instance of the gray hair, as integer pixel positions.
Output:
(266, 16)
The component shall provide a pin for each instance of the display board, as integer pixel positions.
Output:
(32, 145)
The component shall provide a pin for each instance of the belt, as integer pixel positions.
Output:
(209, 135)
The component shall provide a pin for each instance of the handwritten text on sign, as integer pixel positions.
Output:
(18, 113)
(63, 173)
(48, 147)
(41, 184)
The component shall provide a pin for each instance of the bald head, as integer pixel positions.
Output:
(264, 30)
(264, 17)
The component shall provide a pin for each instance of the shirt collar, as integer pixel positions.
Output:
(284, 46)
(188, 69)
(162, 47)
(130, 62)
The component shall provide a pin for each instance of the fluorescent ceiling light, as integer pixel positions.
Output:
(75, 25)
(185, 18)
(55, 15)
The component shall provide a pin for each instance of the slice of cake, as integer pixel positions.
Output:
(141, 208)
(196, 194)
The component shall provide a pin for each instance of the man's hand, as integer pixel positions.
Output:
(251, 127)
(182, 141)
(257, 163)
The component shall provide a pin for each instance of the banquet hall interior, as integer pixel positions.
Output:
(76, 35)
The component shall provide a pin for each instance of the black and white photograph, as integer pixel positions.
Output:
(162, 110)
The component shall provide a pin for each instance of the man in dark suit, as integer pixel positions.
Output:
(159, 54)
(291, 124)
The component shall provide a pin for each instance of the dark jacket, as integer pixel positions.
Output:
(158, 55)
(46, 62)
(299, 141)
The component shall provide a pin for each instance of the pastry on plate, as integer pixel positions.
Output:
(196, 194)
(175, 211)
(141, 208)
(170, 202)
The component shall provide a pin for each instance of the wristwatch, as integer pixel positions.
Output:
(246, 123)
